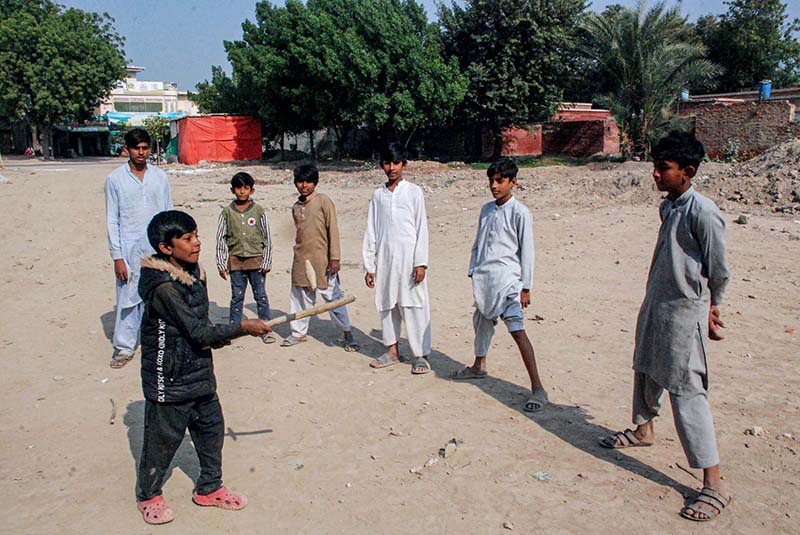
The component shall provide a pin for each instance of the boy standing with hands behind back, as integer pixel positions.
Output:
(688, 275)
(244, 249)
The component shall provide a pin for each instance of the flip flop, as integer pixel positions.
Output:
(537, 401)
(292, 341)
(709, 502)
(155, 511)
(467, 374)
(222, 498)
(420, 366)
(384, 361)
(268, 338)
(120, 360)
(623, 439)
(350, 345)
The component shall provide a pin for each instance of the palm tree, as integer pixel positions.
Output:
(644, 58)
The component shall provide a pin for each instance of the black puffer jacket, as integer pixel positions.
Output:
(177, 335)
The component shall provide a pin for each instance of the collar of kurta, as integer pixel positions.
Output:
(397, 187)
(684, 197)
(509, 202)
(306, 200)
(249, 207)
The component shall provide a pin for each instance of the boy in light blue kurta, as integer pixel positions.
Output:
(687, 278)
(134, 192)
(501, 268)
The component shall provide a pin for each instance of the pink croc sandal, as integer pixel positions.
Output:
(155, 511)
(224, 498)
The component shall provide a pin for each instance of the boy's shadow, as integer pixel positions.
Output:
(185, 458)
(570, 423)
(107, 320)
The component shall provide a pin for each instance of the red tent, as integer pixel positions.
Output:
(219, 138)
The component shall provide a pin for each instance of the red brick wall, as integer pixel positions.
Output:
(517, 141)
(755, 126)
(580, 138)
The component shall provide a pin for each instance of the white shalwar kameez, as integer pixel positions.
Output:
(395, 242)
(130, 205)
(501, 266)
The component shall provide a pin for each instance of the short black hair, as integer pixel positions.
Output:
(506, 167)
(681, 147)
(394, 153)
(242, 179)
(165, 226)
(306, 173)
(136, 136)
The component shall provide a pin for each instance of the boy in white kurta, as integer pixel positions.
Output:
(134, 193)
(501, 268)
(395, 260)
(688, 275)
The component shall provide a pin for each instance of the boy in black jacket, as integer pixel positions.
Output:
(177, 368)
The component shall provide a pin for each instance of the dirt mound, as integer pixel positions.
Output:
(771, 179)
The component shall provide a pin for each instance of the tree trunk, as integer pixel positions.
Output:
(283, 155)
(47, 141)
(312, 148)
(497, 148)
(36, 144)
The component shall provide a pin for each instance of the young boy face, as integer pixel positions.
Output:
(305, 188)
(184, 249)
(243, 192)
(139, 153)
(393, 170)
(671, 177)
(501, 187)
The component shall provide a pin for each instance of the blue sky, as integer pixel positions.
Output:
(179, 40)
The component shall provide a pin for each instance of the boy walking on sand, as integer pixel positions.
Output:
(316, 243)
(244, 249)
(134, 193)
(501, 268)
(177, 370)
(395, 258)
(687, 278)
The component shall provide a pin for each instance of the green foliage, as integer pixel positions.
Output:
(158, 128)
(56, 64)
(643, 61)
(340, 64)
(752, 41)
(515, 54)
(730, 151)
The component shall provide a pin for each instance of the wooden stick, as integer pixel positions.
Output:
(312, 311)
(311, 275)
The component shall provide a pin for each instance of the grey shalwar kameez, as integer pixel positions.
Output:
(687, 276)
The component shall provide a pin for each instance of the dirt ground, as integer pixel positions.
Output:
(321, 443)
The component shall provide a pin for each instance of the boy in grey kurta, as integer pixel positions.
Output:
(688, 275)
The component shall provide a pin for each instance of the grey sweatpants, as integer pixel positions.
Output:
(692, 415)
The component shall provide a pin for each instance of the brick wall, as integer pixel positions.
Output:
(755, 126)
(517, 141)
(580, 138)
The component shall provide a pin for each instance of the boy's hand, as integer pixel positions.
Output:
(333, 267)
(369, 278)
(224, 274)
(256, 327)
(264, 271)
(121, 270)
(715, 324)
(525, 298)
(419, 274)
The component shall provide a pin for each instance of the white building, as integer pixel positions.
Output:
(146, 97)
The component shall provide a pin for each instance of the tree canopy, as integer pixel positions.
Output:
(752, 41)
(643, 60)
(340, 64)
(515, 55)
(56, 64)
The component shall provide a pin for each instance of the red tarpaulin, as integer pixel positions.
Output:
(219, 139)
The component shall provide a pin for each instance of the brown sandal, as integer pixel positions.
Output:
(708, 502)
(120, 360)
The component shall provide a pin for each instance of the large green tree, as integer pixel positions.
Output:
(340, 64)
(56, 64)
(643, 61)
(515, 54)
(752, 41)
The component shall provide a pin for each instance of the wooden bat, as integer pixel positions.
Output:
(311, 275)
(312, 311)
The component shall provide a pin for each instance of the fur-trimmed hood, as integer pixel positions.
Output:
(156, 271)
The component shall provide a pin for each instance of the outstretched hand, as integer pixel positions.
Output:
(715, 324)
(256, 327)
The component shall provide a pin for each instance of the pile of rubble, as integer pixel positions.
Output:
(771, 180)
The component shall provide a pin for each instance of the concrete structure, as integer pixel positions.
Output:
(147, 97)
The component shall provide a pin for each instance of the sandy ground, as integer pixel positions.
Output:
(323, 444)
